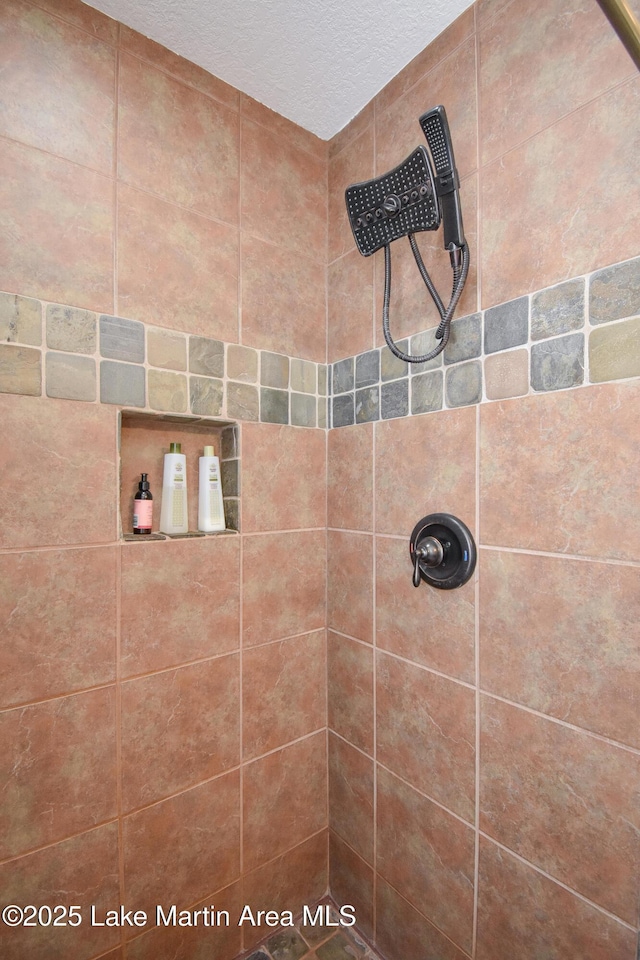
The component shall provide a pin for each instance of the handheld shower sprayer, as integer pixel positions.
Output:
(405, 201)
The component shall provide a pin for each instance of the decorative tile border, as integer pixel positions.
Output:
(584, 330)
(70, 353)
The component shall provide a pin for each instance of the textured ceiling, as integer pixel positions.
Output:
(317, 62)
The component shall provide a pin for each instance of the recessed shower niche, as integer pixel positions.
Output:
(145, 438)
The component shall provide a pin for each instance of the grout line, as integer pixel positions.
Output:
(61, 696)
(548, 876)
(60, 840)
(427, 796)
(56, 156)
(241, 696)
(431, 923)
(469, 685)
(240, 205)
(476, 855)
(223, 773)
(348, 845)
(375, 682)
(479, 221)
(559, 556)
(116, 153)
(276, 533)
(628, 80)
(327, 455)
(333, 732)
(119, 789)
(239, 451)
(635, 751)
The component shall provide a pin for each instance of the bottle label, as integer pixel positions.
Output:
(142, 513)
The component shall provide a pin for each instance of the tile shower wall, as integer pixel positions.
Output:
(483, 752)
(163, 704)
(484, 760)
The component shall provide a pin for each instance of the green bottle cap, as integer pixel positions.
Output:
(208, 451)
(175, 448)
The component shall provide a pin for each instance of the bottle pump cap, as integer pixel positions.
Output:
(208, 451)
(144, 483)
(175, 448)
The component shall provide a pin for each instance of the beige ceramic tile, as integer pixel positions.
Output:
(146, 49)
(432, 627)
(87, 865)
(20, 370)
(258, 113)
(74, 447)
(298, 877)
(350, 584)
(283, 692)
(58, 616)
(351, 882)
(283, 300)
(57, 236)
(451, 82)
(426, 732)
(284, 799)
(350, 477)
(350, 303)
(193, 262)
(284, 192)
(192, 942)
(521, 93)
(350, 675)
(58, 87)
(351, 796)
(176, 142)
(564, 801)
(180, 602)
(401, 931)
(179, 728)
(562, 237)
(283, 585)
(425, 465)
(283, 478)
(561, 636)
(427, 856)
(507, 374)
(57, 779)
(180, 850)
(557, 471)
(521, 910)
(352, 165)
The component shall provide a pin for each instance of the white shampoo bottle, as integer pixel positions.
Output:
(173, 512)
(210, 503)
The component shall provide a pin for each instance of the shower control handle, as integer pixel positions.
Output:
(431, 553)
(442, 551)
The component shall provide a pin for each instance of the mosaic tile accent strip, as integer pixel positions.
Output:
(55, 350)
(581, 331)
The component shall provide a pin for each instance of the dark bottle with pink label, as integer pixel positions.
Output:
(143, 507)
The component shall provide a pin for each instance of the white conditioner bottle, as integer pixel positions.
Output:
(210, 503)
(173, 511)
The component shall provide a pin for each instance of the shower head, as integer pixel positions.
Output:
(436, 129)
(398, 203)
(406, 201)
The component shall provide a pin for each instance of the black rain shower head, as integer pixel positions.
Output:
(394, 205)
(436, 130)
(406, 201)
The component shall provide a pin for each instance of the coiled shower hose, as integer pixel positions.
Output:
(460, 272)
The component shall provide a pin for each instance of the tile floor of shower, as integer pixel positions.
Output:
(306, 942)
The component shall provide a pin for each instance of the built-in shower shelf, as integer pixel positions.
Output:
(144, 439)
